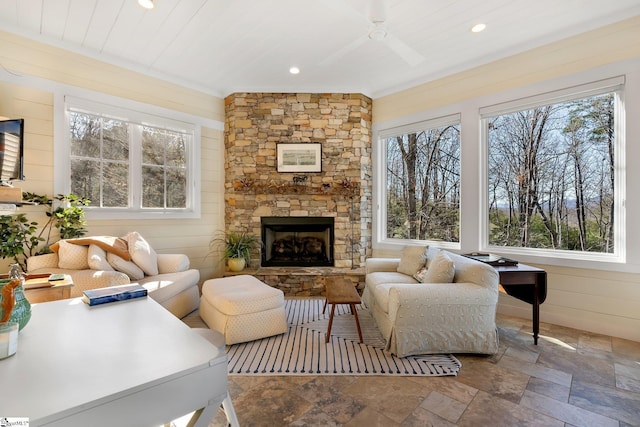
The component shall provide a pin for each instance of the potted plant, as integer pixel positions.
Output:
(20, 236)
(237, 248)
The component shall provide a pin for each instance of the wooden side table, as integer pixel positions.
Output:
(528, 284)
(39, 289)
(341, 291)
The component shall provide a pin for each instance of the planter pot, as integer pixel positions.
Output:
(236, 264)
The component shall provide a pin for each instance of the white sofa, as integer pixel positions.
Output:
(167, 277)
(456, 316)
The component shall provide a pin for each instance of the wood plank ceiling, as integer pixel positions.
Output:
(225, 46)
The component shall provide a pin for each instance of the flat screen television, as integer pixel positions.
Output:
(11, 151)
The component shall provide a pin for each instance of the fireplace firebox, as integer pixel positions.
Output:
(297, 241)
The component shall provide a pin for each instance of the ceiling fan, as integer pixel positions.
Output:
(377, 32)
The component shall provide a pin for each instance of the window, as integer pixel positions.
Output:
(164, 172)
(99, 159)
(552, 162)
(423, 181)
(130, 163)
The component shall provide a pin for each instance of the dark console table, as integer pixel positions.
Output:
(528, 284)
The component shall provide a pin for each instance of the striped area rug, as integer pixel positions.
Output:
(303, 351)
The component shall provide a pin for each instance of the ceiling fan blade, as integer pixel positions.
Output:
(404, 51)
(344, 50)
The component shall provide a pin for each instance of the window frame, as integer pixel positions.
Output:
(381, 181)
(613, 85)
(138, 115)
(473, 192)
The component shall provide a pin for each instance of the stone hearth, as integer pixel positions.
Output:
(304, 281)
(256, 122)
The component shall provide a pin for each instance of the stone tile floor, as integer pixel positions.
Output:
(572, 378)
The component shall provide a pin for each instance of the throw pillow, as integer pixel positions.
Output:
(142, 253)
(97, 259)
(441, 269)
(72, 257)
(42, 261)
(412, 259)
(419, 276)
(127, 267)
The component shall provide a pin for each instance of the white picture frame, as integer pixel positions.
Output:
(299, 157)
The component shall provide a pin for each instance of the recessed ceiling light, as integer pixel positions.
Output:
(478, 27)
(147, 4)
(294, 70)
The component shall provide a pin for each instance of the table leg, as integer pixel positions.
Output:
(202, 417)
(536, 309)
(230, 412)
(355, 314)
(333, 309)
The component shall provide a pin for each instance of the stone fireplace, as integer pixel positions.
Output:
(297, 241)
(341, 192)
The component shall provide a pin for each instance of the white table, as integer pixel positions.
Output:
(129, 363)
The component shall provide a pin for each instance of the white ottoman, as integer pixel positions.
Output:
(242, 308)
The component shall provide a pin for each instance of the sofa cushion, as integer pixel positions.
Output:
(43, 261)
(379, 283)
(172, 263)
(73, 257)
(440, 270)
(127, 267)
(142, 253)
(381, 277)
(412, 259)
(97, 259)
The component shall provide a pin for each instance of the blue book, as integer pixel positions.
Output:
(113, 294)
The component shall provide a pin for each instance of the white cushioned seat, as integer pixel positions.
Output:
(242, 308)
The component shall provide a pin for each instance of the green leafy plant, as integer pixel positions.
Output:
(18, 235)
(23, 238)
(236, 244)
(69, 219)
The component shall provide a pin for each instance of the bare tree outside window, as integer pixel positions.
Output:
(423, 185)
(99, 159)
(551, 176)
(101, 153)
(164, 171)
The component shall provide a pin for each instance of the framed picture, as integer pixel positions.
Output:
(305, 157)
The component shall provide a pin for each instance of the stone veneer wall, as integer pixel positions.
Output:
(256, 122)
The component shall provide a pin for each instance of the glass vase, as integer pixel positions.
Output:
(21, 308)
